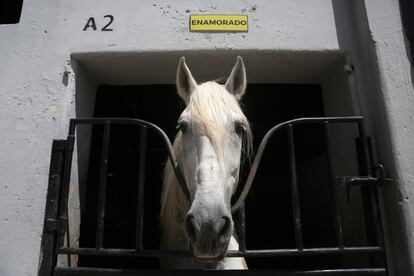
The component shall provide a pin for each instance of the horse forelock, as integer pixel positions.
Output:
(216, 110)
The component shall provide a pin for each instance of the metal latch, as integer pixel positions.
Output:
(368, 180)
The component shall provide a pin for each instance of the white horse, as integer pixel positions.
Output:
(213, 135)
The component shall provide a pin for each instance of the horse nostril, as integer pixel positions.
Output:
(191, 227)
(226, 228)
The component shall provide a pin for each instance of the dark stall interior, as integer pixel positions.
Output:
(268, 208)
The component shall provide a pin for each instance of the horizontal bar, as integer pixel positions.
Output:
(101, 120)
(113, 149)
(247, 253)
(81, 271)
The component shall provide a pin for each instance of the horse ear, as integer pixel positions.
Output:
(236, 83)
(185, 81)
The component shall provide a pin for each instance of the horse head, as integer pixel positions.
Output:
(212, 132)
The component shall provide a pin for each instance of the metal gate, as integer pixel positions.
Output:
(56, 226)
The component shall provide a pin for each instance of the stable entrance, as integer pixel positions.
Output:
(269, 217)
(281, 89)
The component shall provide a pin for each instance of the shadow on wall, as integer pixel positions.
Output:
(354, 37)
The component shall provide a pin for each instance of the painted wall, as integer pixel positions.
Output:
(394, 122)
(38, 89)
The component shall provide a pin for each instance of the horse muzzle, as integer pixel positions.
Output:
(209, 235)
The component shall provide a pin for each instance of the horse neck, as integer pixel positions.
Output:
(174, 207)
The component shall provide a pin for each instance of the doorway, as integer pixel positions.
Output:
(268, 208)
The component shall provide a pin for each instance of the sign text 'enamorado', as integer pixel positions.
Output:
(218, 23)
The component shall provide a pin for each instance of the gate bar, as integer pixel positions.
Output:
(268, 136)
(295, 192)
(368, 194)
(63, 224)
(87, 271)
(230, 253)
(133, 121)
(48, 245)
(103, 174)
(333, 188)
(141, 188)
(242, 225)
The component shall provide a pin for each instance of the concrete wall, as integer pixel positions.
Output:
(39, 93)
(395, 124)
(371, 32)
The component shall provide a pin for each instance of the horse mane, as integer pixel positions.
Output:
(212, 105)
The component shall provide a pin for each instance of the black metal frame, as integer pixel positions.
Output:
(56, 214)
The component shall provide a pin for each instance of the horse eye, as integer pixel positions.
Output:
(183, 126)
(239, 128)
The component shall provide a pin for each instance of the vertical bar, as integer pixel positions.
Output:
(68, 244)
(377, 217)
(100, 220)
(367, 193)
(62, 223)
(384, 231)
(365, 165)
(48, 260)
(371, 209)
(242, 228)
(295, 191)
(373, 189)
(332, 185)
(141, 188)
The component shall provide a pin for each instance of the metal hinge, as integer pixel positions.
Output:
(52, 225)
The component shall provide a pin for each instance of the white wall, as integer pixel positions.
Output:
(395, 119)
(36, 101)
(371, 31)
